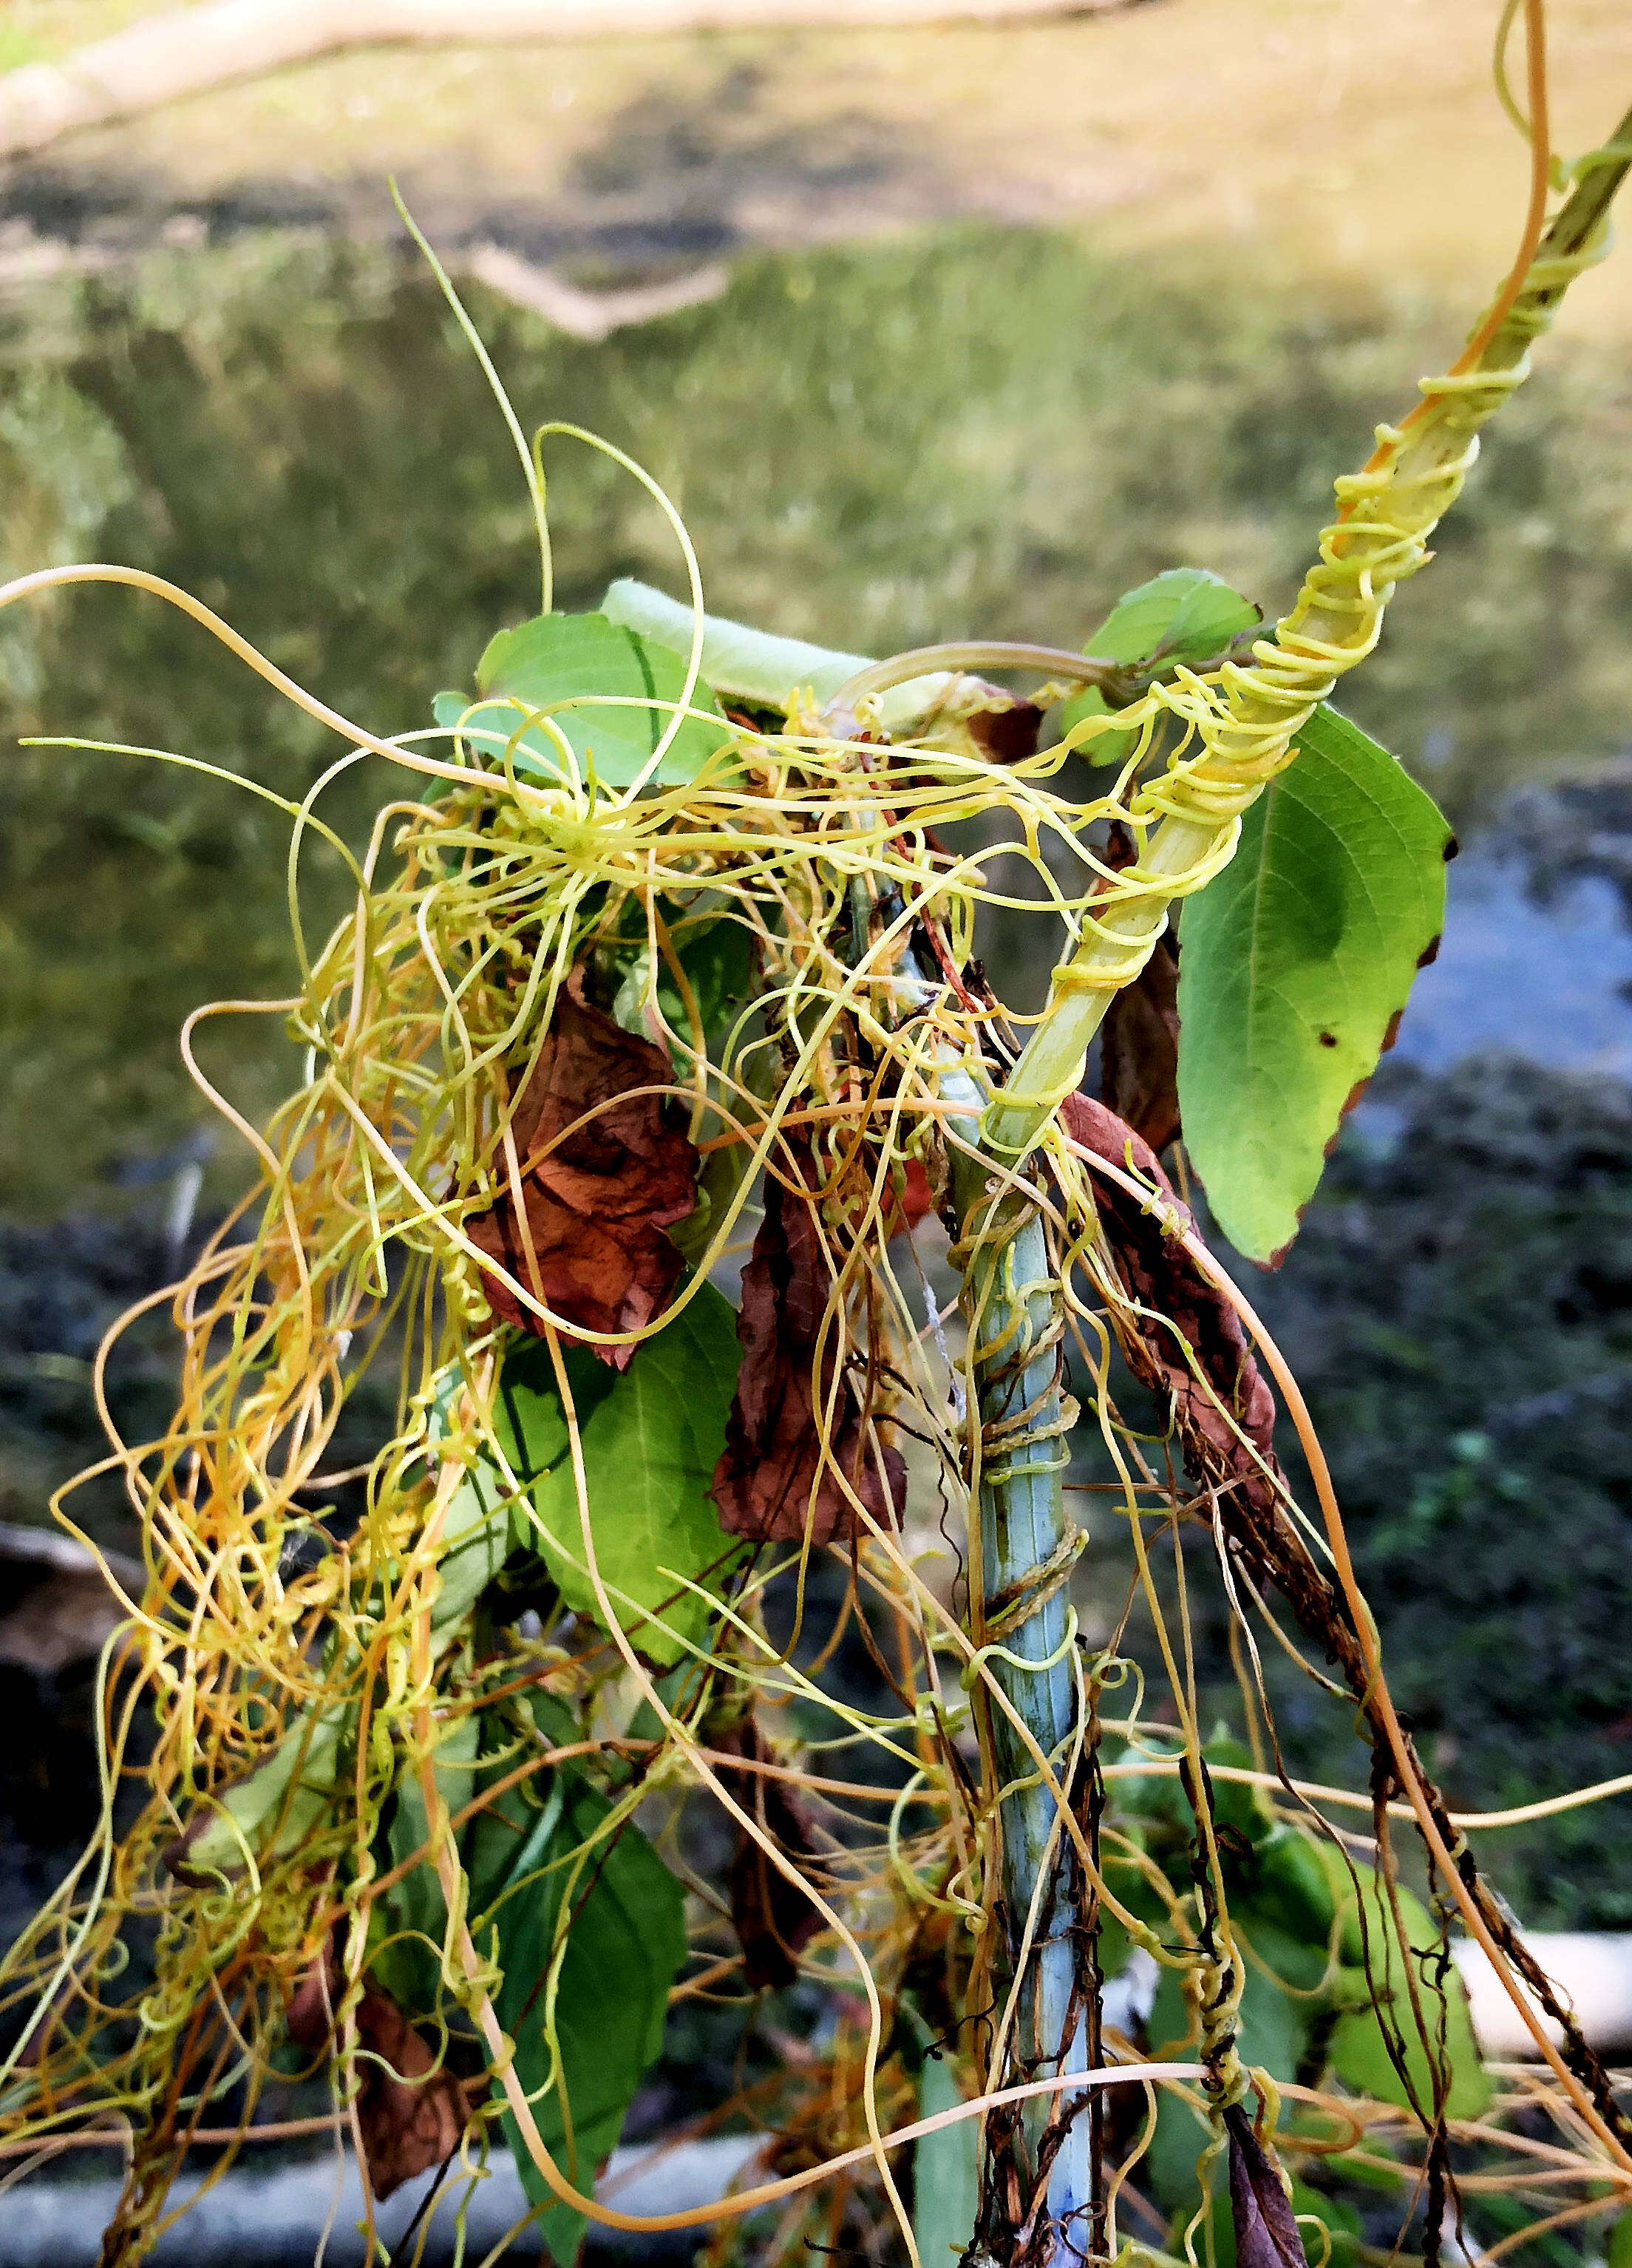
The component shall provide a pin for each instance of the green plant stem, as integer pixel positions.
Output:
(1012, 1300)
(1425, 478)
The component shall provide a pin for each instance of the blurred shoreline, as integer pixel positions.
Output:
(1348, 144)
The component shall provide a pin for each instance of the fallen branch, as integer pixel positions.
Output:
(189, 50)
(591, 315)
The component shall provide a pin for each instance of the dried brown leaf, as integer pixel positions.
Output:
(598, 1198)
(1007, 734)
(410, 2113)
(772, 1480)
(773, 1918)
(1139, 1038)
(1266, 2233)
(1161, 1275)
(1139, 1050)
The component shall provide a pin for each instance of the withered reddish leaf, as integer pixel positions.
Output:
(1266, 2233)
(773, 1919)
(1009, 734)
(309, 2017)
(765, 1479)
(1160, 1274)
(1139, 1050)
(1139, 1038)
(410, 2115)
(598, 1198)
(915, 1200)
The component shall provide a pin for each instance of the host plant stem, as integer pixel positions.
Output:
(1247, 720)
(1013, 1307)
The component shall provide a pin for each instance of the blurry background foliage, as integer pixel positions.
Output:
(983, 430)
(991, 432)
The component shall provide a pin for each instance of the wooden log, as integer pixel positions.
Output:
(188, 50)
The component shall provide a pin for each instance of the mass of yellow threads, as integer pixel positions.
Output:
(422, 1010)
(422, 1013)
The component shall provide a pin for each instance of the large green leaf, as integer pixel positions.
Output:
(581, 670)
(1187, 614)
(1359, 2053)
(1358, 2050)
(1296, 962)
(589, 1945)
(652, 1438)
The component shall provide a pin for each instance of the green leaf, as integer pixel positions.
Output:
(1185, 615)
(1359, 2055)
(1296, 962)
(585, 1922)
(716, 955)
(946, 2174)
(1159, 1799)
(289, 1793)
(650, 1437)
(591, 1933)
(412, 1912)
(476, 1536)
(762, 668)
(1620, 2243)
(1358, 2052)
(579, 669)
(1287, 1890)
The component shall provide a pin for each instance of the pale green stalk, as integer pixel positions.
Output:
(1247, 718)
(1020, 1417)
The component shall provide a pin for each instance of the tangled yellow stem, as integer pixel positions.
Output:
(1238, 724)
